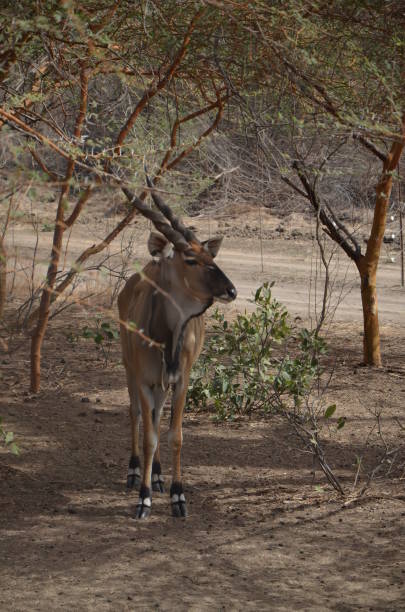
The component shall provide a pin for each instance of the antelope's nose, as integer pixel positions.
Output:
(231, 291)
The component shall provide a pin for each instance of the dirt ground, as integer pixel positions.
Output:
(265, 531)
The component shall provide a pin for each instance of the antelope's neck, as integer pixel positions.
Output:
(171, 311)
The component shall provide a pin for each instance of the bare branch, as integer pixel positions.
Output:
(297, 189)
(370, 146)
(331, 226)
(154, 89)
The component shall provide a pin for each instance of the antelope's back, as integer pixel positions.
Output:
(134, 307)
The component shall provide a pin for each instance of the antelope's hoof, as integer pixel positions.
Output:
(178, 501)
(179, 510)
(142, 512)
(133, 481)
(158, 483)
(144, 504)
(157, 478)
(143, 508)
(179, 506)
(134, 473)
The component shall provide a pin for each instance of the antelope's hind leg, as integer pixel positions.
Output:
(177, 498)
(146, 397)
(134, 468)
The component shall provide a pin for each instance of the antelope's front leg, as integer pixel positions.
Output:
(177, 498)
(157, 478)
(143, 507)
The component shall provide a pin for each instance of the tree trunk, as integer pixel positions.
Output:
(60, 226)
(38, 335)
(3, 277)
(371, 340)
(368, 264)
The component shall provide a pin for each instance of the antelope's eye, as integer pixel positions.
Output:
(191, 262)
(211, 268)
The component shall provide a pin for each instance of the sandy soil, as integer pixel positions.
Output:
(265, 531)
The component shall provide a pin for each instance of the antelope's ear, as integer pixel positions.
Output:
(213, 245)
(158, 245)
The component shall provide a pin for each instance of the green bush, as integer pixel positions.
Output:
(258, 362)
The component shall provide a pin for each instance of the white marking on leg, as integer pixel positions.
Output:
(146, 501)
(176, 499)
(134, 471)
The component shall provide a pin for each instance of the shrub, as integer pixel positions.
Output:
(258, 362)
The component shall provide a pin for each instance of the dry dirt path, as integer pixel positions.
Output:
(291, 264)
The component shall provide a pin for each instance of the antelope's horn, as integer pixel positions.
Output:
(158, 221)
(175, 222)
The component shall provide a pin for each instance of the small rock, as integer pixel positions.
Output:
(85, 400)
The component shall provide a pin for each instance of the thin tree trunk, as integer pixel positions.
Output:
(60, 226)
(3, 277)
(371, 339)
(45, 303)
(368, 264)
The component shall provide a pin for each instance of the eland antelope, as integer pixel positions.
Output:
(162, 332)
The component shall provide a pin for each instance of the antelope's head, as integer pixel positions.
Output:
(189, 262)
(192, 268)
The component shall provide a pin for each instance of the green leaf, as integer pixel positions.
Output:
(330, 411)
(341, 422)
